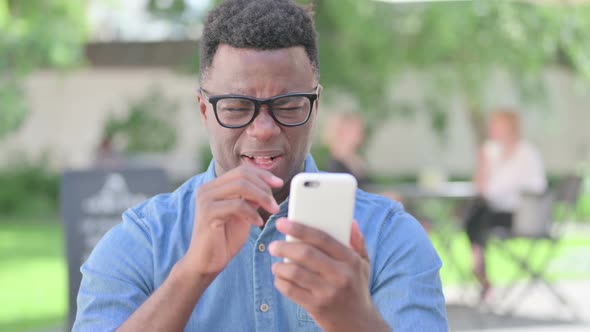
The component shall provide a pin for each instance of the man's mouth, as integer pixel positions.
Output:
(267, 162)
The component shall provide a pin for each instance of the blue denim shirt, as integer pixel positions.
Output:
(135, 257)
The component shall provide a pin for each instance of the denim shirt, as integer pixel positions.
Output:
(134, 258)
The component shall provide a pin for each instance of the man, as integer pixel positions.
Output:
(210, 256)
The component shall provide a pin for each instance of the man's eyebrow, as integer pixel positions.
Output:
(243, 92)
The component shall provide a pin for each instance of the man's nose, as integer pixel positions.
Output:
(264, 126)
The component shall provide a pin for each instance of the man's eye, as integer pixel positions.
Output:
(289, 108)
(234, 105)
(235, 109)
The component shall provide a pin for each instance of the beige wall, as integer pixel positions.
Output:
(559, 129)
(68, 111)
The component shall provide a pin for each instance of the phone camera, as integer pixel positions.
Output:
(311, 184)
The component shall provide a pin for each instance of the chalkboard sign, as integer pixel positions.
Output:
(92, 202)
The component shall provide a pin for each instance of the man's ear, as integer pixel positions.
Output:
(202, 106)
(317, 101)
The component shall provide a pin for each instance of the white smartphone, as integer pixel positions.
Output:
(324, 201)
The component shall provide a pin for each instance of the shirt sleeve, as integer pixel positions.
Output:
(116, 278)
(407, 289)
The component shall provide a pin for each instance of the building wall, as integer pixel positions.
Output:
(558, 127)
(68, 112)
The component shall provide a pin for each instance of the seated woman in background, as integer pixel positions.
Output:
(344, 135)
(507, 166)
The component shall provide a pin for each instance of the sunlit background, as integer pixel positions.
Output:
(112, 84)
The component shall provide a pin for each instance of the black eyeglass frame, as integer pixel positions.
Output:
(258, 102)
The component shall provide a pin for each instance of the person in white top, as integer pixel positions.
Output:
(507, 167)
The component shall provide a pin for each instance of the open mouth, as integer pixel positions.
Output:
(262, 161)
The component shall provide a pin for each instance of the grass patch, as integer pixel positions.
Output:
(568, 263)
(33, 274)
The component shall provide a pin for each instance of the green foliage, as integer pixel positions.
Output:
(170, 9)
(205, 156)
(355, 41)
(184, 18)
(148, 125)
(13, 109)
(454, 46)
(459, 45)
(583, 208)
(29, 189)
(321, 155)
(35, 34)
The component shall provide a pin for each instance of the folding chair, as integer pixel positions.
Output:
(534, 222)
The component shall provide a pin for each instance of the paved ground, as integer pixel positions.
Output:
(538, 310)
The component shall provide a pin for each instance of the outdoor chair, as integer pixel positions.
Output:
(534, 222)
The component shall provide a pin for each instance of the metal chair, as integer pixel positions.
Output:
(534, 221)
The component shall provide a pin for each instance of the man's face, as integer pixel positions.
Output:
(263, 143)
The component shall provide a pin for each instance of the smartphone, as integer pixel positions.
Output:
(324, 201)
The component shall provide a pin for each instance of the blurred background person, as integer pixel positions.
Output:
(506, 167)
(344, 136)
(108, 156)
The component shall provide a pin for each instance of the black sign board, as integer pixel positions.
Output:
(92, 202)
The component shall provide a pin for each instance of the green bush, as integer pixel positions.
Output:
(148, 126)
(28, 190)
(583, 208)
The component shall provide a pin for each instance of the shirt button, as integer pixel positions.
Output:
(261, 247)
(264, 307)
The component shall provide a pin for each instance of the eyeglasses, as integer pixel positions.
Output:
(237, 111)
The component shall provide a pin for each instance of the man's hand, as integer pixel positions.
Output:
(327, 278)
(225, 210)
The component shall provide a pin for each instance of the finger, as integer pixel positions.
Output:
(316, 238)
(235, 209)
(297, 294)
(244, 174)
(245, 188)
(357, 241)
(306, 256)
(263, 179)
(298, 275)
(264, 175)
